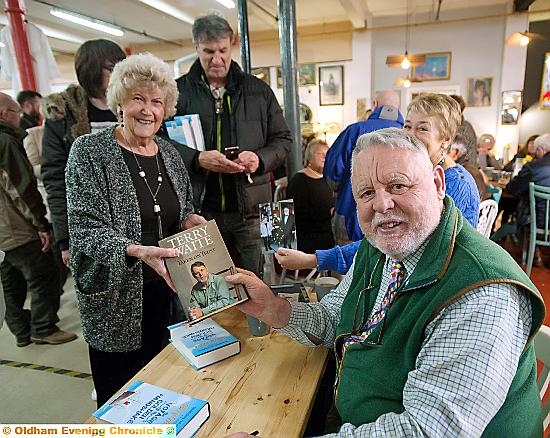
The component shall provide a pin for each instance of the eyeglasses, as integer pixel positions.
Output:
(109, 67)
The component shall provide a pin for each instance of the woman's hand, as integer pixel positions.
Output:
(192, 220)
(263, 303)
(293, 259)
(154, 257)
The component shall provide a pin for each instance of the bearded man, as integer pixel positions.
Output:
(432, 326)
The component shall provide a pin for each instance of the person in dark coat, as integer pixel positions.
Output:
(236, 109)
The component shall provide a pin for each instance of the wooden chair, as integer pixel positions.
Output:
(537, 236)
(542, 351)
(488, 210)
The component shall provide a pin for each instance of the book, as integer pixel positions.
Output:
(199, 272)
(204, 343)
(174, 129)
(187, 131)
(144, 403)
(196, 128)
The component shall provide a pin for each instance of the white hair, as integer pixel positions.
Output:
(143, 70)
(543, 142)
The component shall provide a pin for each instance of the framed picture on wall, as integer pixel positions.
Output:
(545, 85)
(331, 85)
(479, 91)
(437, 67)
(262, 73)
(446, 89)
(306, 75)
(511, 107)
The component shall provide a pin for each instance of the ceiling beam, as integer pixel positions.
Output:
(358, 13)
(522, 5)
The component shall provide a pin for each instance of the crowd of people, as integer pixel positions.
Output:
(392, 206)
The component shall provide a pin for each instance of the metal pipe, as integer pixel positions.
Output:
(20, 44)
(243, 35)
(287, 36)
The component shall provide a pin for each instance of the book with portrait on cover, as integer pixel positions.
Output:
(143, 403)
(199, 272)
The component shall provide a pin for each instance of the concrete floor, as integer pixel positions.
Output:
(42, 396)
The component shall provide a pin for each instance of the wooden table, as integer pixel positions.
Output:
(269, 386)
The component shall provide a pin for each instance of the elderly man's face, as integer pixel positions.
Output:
(200, 273)
(399, 198)
(215, 58)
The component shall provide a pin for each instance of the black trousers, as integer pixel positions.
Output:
(242, 238)
(111, 370)
(28, 269)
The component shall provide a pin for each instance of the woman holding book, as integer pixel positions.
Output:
(127, 189)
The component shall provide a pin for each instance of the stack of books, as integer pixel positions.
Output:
(186, 130)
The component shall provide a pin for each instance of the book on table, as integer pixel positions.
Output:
(199, 272)
(144, 403)
(204, 343)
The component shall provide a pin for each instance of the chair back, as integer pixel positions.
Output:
(539, 234)
(488, 210)
(542, 351)
(280, 189)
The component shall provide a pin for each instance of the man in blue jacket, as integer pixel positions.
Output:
(337, 170)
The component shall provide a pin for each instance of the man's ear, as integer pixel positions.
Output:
(439, 180)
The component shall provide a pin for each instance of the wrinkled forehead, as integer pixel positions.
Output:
(383, 163)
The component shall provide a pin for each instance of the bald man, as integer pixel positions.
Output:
(338, 163)
(25, 238)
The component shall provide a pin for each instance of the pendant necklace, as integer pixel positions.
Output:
(156, 206)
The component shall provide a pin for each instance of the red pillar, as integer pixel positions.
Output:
(20, 44)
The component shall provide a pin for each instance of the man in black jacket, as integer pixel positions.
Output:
(25, 237)
(236, 109)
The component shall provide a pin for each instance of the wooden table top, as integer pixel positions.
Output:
(269, 386)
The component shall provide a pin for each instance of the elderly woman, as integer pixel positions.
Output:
(126, 189)
(313, 200)
(434, 119)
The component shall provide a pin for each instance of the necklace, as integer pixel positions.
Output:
(156, 205)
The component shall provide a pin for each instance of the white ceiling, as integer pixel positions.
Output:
(136, 15)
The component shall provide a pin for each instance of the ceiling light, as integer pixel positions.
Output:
(405, 64)
(227, 3)
(170, 10)
(397, 60)
(87, 21)
(405, 82)
(522, 38)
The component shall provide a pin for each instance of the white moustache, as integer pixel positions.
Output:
(381, 219)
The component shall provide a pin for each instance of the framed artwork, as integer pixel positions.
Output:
(306, 75)
(545, 85)
(479, 91)
(262, 73)
(436, 68)
(331, 85)
(446, 89)
(511, 107)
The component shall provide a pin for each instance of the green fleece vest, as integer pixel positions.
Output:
(457, 259)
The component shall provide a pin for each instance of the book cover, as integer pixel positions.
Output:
(277, 225)
(204, 343)
(199, 272)
(196, 127)
(143, 403)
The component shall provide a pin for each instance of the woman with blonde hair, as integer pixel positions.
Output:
(126, 189)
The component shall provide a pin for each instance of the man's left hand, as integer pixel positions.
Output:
(249, 160)
(192, 220)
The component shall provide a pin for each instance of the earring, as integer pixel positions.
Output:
(120, 119)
